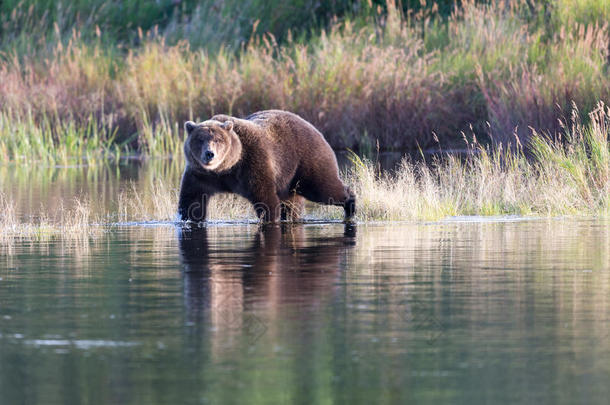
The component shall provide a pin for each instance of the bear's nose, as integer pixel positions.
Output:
(209, 155)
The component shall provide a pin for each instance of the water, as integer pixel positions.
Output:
(466, 310)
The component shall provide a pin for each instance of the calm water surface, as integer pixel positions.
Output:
(462, 311)
(452, 312)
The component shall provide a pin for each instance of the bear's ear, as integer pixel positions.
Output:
(189, 126)
(228, 125)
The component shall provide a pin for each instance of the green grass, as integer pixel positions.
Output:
(55, 142)
(581, 11)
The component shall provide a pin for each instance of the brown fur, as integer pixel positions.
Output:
(273, 158)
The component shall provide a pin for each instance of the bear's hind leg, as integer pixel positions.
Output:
(331, 192)
(349, 205)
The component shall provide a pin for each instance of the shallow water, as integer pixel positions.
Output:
(47, 190)
(462, 311)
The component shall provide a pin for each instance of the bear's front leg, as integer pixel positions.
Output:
(292, 208)
(267, 207)
(194, 198)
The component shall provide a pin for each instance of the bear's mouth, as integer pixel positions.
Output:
(204, 164)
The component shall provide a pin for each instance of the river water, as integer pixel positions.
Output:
(465, 310)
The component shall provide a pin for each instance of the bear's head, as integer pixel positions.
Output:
(211, 145)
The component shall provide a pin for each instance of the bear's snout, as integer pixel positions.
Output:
(208, 155)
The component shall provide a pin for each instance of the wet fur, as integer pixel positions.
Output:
(282, 159)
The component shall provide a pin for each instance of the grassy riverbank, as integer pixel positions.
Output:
(85, 88)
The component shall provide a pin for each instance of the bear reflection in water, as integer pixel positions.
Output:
(233, 287)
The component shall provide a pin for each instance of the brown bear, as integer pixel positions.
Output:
(273, 158)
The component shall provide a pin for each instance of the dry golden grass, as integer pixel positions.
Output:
(73, 223)
(159, 202)
(570, 176)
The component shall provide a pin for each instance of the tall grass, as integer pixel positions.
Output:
(73, 223)
(54, 142)
(159, 199)
(402, 80)
(569, 176)
(581, 11)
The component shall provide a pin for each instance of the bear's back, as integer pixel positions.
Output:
(284, 126)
